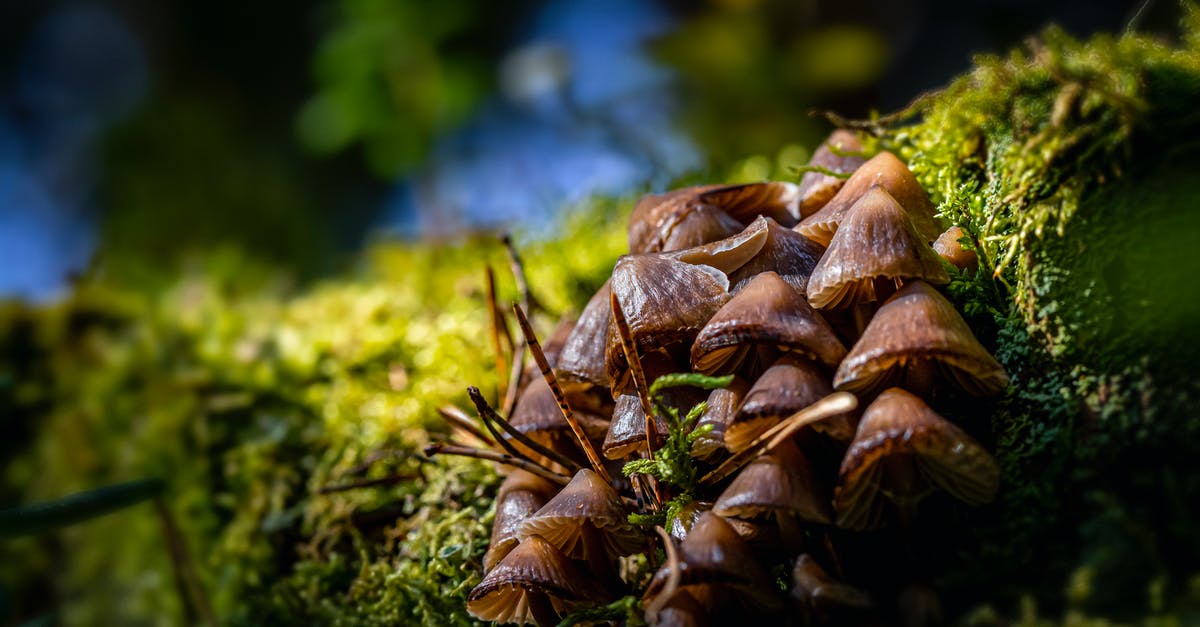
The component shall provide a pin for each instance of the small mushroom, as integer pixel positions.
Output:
(816, 188)
(716, 565)
(719, 410)
(767, 312)
(534, 583)
(729, 254)
(902, 451)
(887, 171)
(785, 252)
(779, 485)
(873, 251)
(627, 431)
(823, 599)
(521, 495)
(949, 246)
(538, 416)
(914, 336)
(586, 521)
(666, 303)
(682, 610)
(789, 385)
(685, 518)
(745, 202)
(581, 362)
(696, 215)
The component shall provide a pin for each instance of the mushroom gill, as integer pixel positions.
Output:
(534, 583)
(789, 385)
(521, 495)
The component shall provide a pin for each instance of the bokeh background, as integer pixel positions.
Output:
(135, 132)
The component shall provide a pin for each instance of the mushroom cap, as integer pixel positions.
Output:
(949, 246)
(815, 589)
(685, 518)
(704, 211)
(582, 356)
(789, 385)
(701, 225)
(654, 211)
(720, 408)
(682, 610)
(915, 328)
(586, 500)
(887, 171)
(899, 425)
(768, 311)
(627, 431)
(534, 567)
(729, 254)
(521, 495)
(780, 482)
(876, 240)
(745, 202)
(538, 416)
(785, 252)
(816, 188)
(665, 301)
(714, 555)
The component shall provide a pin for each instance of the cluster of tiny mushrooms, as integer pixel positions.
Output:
(802, 446)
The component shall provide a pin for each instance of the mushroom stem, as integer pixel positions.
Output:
(596, 556)
(836, 403)
(458, 419)
(563, 406)
(494, 328)
(489, 416)
(862, 312)
(542, 610)
(439, 448)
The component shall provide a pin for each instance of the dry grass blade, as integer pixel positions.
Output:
(551, 380)
(497, 322)
(458, 419)
(439, 448)
(528, 302)
(832, 405)
(490, 416)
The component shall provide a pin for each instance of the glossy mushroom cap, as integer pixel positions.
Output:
(949, 246)
(533, 580)
(767, 312)
(538, 416)
(582, 358)
(627, 431)
(653, 212)
(784, 252)
(885, 170)
(901, 451)
(666, 302)
(915, 330)
(713, 556)
(521, 495)
(720, 408)
(778, 483)
(816, 188)
(876, 242)
(586, 501)
(745, 202)
(683, 521)
(729, 254)
(789, 385)
(696, 215)
(825, 598)
(682, 610)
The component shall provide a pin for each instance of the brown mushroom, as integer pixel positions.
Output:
(533, 583)
(789, 385)
(745, 202)
(696, 215)
(581, 362)
(902, 451)
(888, 172)
(949, 246)
(685, 518)
(823, 599)
(521, 495)
(914, 336)
(785, 252)
(873, 251)
(538, 416)
(729, 254)
(816, 188)
(586, 521)
(779, 485)
(720, 408)
(767, 312)
(666, 302)
(627, 431)
(682, 610)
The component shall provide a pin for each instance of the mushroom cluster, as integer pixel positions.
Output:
(779, 449)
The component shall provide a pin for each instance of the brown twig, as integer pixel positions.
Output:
(497, 321)
(556, 389)
(459, 419)
(635, 369)
(836, 403)
(439, 448)
(528, 301)
(489, 416)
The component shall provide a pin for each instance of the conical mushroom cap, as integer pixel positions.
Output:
(654, 211)
(817, 188)
(719, 410)
(521, 495)
(778, 482)
(586, 500)
(951, 249)
(789, 385)
(538, 416)
(704, 212)
(745, 202)
(701, 225)
(532, 569)
(815, 589)
(785, 252)
(767, 312)
(627, 431)
(683, 610)
(666, 302)
(729, 254)
(582, 356)
(900, 426)
(885, 170)
(686, 517)
(917, 327)
(876, 240)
